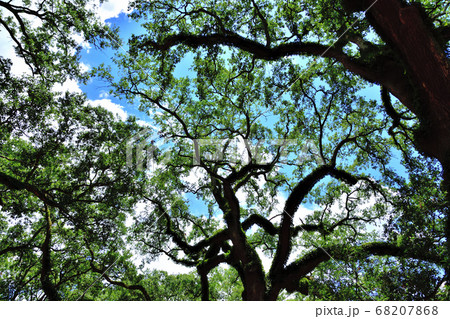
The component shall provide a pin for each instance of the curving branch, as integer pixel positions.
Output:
(22, 247)
(15, 248)
(192, 250)
(98, 270)
(203, 270)
(258, 50)
(290, 277)
(293, 202)
(15, 184)
(262, 222)
(444, 33)
(121, 283)
(384, 70)
(263, 22)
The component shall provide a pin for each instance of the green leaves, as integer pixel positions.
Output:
(48, 44)
(242, 87)
(59, 158)
(248, 135)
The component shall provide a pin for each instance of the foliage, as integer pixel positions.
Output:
(62, 162)
(291, 162)
(62, 167)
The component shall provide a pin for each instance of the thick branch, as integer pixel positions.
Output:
(205, 286)
(13, 183)
(47, 285)
(404, 27)
(217, 239)
(252, 274)
(28, 245)
(293, 202)
(259, 50)
(262, 222)
(203, 270)
(300, 268)
(14, 248)
(121, 284)
(290, 207)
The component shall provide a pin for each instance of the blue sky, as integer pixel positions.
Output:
(98, 90)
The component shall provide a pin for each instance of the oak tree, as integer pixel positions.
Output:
(249, 87)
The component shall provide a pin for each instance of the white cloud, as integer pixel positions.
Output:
(103, 94)
(116, 109)
(112, 9)
(106, 10)
(84, 67)
(195, 174)
(265, 260)
(146, 124)
(166, 264)
(7, 51)
(79, 40)
(68, 85)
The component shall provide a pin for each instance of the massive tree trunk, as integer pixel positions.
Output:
(406, 29)
(46, 281)
(252, 274)
(413, 67)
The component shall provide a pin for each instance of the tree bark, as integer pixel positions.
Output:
(252, 274)
(47, 284)
(289, 279)
(205, 286)
(406, 29)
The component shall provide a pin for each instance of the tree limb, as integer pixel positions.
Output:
(300, 268)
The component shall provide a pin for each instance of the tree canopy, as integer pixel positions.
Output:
(63, 178)
(275, 175)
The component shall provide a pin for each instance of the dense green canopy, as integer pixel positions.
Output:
(277, 176)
